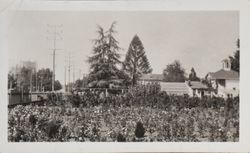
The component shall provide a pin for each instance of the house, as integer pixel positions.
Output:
(225, 81)
(175, 88)
(191, 88)
(197, 89)
(150, 78)
(171, 88)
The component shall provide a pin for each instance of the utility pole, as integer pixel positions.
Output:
(36, 81)
(31, 81)
(69, 70)
(65, 75)
(55, 36)
(80, 74)
(73, 73)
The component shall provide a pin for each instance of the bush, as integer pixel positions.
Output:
(52, 128)
(32, 120)
(121, 138)
(139, 131)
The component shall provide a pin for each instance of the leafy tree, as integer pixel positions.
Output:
(12, 81)
(24, 78)
(81, 83)
(136, 62)
(78, 84)
(192, 75)
(44, 79)
(105, 58)
(235, 60)
(174, 72)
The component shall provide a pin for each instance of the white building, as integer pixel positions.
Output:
(197, 89)
(191, 88)
(225, 81)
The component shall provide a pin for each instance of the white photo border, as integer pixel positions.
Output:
(243, 6)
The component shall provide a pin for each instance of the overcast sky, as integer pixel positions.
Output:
(197, 39)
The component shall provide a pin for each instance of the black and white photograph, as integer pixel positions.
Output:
(120, 76)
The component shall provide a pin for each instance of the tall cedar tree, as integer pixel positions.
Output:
(174, 72)
(193, 76)
(136, 62)
(103, 64)
(235, 61)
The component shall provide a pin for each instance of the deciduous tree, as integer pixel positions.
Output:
(174, 72)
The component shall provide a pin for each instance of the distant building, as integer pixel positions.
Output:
(225, 81)
(149, 78)
(175, 88)
(191, 88)
(197, 89)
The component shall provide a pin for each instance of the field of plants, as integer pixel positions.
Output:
(143, 113)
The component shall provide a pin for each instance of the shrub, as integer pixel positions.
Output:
(32, 120)
(139, 131)
(121, 138)
(52, 128)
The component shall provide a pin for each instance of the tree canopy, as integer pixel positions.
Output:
(44, 79)
(105, 58)
(235, 60)
(192, 75)
(174, 72)
(136, 62)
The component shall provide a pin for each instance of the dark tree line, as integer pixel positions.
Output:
(235, 59)
(27, 78)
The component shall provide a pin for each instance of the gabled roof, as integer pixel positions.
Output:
(197, 85)
(174, 88)
(223, 74)
(152, 77)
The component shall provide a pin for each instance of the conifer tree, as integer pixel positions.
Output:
(193, 76)
(103, 63)
(136, 62)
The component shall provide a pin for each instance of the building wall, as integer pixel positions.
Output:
(231, 89)
(232, 84)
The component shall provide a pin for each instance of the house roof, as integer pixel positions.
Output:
(176, 88)
(152, 77)
(197, 85)
(223, 74)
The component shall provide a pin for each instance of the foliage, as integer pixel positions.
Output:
(177, 118)
(121, 138)
(44, 79)
(78, 84)
(139, 130)
(32, 119)
(12, 81)
(52, 128)
(136, 62)
(24, 78)
(105, 58)
(235, 60)
(174, 72)
(192, 75)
